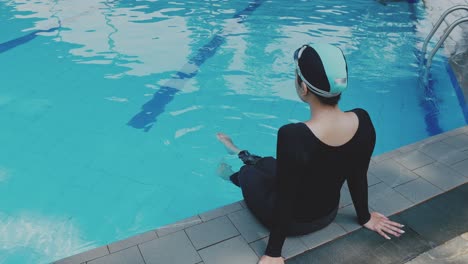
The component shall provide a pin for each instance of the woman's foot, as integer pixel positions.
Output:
(227, 141)
(224, 171)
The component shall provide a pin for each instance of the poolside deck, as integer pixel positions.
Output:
(398, 180)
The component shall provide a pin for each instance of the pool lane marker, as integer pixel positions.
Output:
(6, 46)
(146, 118)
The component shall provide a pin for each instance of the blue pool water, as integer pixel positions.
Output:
(109, 109)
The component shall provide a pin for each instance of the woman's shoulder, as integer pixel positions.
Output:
(289, 128)
(361, 113)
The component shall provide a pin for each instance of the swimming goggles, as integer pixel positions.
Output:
(320, 92)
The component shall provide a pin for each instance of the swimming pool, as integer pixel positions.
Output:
(109, 109)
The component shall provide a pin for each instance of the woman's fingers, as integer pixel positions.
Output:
(383, 234)
(394, 223)
(394, 228)
(390, 231)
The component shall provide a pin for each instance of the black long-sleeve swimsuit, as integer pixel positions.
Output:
(299, 192)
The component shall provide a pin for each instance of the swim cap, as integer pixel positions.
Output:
(323, 68)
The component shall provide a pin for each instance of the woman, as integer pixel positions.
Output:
(299, 192)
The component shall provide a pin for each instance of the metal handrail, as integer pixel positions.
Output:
(443, 38)
(439, 22)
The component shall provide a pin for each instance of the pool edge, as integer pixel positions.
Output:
(207, 235)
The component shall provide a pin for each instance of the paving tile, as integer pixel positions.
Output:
(293, 246)
(411, 147)
(453, 252)
(129, 255)
(225, 210)
(365, 247)
(249, 227)
(175, 248)
(422, 259)
(392, 173)
(456, 132)
(421, 143)
(443, 152)
(441, 218)
(322, 236)
(132, 241)
(441, 176)
(232, 251)
(461, 167)
(211, 232)
(372, 179)
(458, 142)
(434, 139)
(345, 197)
(418, 190)
(347, 218)
(172, 228)
(386, 156)
(413, 159)
(243, 204)
(399, 249)
(353, 248)
(387, 201)
(85, 256)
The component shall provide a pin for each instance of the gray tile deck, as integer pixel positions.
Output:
(443, 152)
(345, 197)
(129, 255)
(85, 256)
(132, 241)
(418, 190)
(413, 159)
(293, 246)
(386, 200)
(459, 142)
(231, 234)
(441, 176)
(454, 251)
(322, 236)
(248, 225)
(180, 225)
(392, 173)
(347, 218)
(175, 248)
(227, 209)
(211, 232)
(232, 251)
(461, 167)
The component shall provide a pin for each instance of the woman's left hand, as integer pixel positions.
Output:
(269, 260)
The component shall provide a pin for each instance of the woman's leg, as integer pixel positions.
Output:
(224, 170)
(227, 141)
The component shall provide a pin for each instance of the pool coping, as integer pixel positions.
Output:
(398, 180)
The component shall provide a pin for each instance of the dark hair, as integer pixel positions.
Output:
(332, 101)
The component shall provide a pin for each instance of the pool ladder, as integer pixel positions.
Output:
(444, 36)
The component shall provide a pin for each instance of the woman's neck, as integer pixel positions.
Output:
(318, 112)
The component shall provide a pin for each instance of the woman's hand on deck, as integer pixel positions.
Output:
(382, 225)
(269, 260)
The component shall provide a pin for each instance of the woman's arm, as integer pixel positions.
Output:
(286, 173)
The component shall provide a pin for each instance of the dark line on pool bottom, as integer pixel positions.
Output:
(6, 46)
(146, 118)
